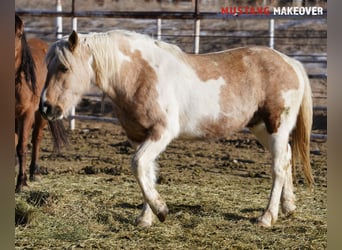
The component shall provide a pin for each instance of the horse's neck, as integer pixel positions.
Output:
(17, 61)
(106, 63)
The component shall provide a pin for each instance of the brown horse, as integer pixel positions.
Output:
(30, 74)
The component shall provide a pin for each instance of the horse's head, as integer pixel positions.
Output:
(69, 76)
(18, 35)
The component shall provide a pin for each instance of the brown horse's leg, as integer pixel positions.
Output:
(16, 142)
(37, 136)
(24, 128)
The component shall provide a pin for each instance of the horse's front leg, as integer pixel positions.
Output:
(37, 136)
(24, 128)
(145, 219)
(144, 169)
(16, 143)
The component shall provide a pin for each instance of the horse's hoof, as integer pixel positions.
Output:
(143, 223)
(265, 220)
(20, 188)
(36, 178)
(264, 224)
(162, 214)
(288, 208)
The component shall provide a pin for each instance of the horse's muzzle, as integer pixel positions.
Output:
(50, 112)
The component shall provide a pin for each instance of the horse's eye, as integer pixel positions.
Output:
(63, 68)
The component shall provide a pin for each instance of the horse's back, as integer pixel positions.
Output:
(36, 43)
(237, 88)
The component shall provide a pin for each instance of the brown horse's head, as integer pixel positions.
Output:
(69, 76)
(19, 32)
(24, 64)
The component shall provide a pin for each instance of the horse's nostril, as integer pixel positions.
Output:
(50, 112)
(46, 108)
(58, 111)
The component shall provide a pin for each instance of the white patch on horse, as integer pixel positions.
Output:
(193, 98)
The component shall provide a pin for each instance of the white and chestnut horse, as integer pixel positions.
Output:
(160, 93)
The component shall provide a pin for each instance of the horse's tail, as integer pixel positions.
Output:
(302, 131)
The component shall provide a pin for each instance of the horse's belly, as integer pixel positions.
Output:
(215, 124)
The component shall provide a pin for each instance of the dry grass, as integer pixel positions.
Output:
(214, 191)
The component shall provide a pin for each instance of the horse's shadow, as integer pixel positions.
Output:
(195, 210)
(247, 211)
(125, 206)
(191, 209)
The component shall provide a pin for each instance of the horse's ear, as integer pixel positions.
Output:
(19, 24)
(73, 40)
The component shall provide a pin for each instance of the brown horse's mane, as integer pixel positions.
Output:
(27, 65)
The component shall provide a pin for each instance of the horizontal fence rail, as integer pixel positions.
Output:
(195, 15)
(162, 15)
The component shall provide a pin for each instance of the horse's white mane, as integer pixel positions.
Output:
(104, 48)
(97, 39)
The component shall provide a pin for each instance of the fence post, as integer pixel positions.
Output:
(74, 19)
(159, 31)
(197, 29)
(72, 120)
(271, 32)
(59, 20)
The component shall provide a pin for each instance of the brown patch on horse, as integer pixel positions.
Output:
(136, 98)
(254, 81)
(278, 77)
(215, 128)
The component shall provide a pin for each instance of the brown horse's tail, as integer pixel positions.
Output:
(302, 132)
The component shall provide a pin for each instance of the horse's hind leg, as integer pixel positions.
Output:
(287, 195)
(282, 187)
(144, 169)
(37, 136)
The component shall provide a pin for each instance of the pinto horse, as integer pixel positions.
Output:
(30, 74)
(160, 93)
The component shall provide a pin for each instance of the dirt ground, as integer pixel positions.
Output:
(88, 197)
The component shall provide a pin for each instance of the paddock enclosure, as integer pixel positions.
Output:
(88, 197)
